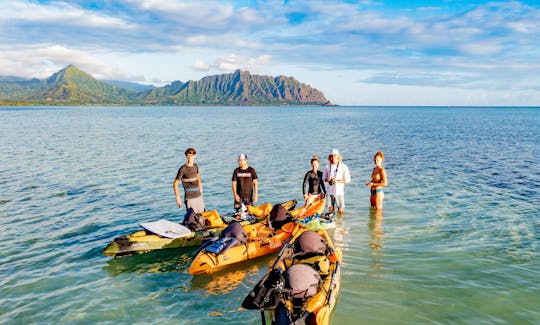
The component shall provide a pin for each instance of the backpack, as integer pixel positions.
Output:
(193, 220)
(309, 244)
(279, 216)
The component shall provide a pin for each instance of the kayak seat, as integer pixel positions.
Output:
(212, 219)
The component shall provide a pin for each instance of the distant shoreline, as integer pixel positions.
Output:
(3, 105)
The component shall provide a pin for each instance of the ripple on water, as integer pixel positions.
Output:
(457, 241)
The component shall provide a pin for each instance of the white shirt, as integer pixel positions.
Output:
(339, 171)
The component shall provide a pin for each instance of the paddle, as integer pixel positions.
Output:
(324, 312)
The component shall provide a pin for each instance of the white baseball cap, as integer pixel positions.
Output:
(334, 152)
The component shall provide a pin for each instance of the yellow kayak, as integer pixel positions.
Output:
(142, 241)
(303, 283)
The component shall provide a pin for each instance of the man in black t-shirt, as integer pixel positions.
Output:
(188, 174)
(245, 185)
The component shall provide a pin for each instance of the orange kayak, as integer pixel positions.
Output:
(317, 207)
(261, 241)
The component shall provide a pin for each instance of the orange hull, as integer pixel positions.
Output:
(261, 242)
(317, 207)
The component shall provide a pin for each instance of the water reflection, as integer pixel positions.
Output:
(229, 278)
(338, 234)
(376, 242)
(159, 261)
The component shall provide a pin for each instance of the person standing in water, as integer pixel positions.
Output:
(314, 181)
(245, 185)
(188, 174)
(336, 175)
(378, 180)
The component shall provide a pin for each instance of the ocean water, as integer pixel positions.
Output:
(458, 241)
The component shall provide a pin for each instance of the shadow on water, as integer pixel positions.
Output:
(159, 261)
(376, 240)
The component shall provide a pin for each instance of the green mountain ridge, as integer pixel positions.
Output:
(72, 86)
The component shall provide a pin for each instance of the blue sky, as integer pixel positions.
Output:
(355, 52)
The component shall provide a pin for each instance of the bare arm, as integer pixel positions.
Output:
(383, 178)
(236, 197)
(255, 190)
(199, 182)
(177, 193)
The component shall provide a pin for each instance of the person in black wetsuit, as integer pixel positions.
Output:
(315, 185)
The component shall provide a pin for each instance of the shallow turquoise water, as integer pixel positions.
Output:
(458, 241)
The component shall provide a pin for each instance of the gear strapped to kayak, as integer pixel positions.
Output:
(302, 281)
(309, 244)
(279, 216)
(193, 221)
(302, 284)
(233, 235)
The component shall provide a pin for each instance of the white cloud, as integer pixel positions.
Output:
(481, 48)
(58, 13)
(234, 62)
(486, 46)
(201, 65)
(204, 14)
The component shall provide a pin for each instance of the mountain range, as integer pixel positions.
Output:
(72, 86)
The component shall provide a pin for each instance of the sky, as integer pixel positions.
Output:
(365, 53)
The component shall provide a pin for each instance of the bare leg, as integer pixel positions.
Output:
(379, 197)
(309, 200)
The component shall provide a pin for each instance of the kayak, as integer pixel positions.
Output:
(316, 207)
(260, 240)
(145, 240)
(302, 285)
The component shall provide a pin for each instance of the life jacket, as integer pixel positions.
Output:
(193, 220)
(279, 216)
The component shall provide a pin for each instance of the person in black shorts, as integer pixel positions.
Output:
(314, 181)
(188, 174)
(245, 185)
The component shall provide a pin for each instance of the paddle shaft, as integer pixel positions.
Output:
(332, 284)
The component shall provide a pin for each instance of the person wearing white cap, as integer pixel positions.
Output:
(336, 175)
(245, 184)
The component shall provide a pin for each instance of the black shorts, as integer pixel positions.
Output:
(245, 200)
